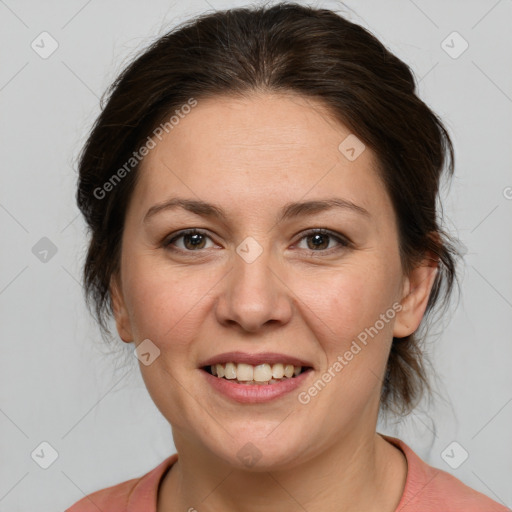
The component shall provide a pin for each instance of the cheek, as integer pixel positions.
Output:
(167, 305)
(163, 301)
(345, 317)
(353, 297)
(353, 335)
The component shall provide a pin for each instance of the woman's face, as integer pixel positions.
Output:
(257, 281)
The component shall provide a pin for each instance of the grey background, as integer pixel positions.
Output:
(59, 384)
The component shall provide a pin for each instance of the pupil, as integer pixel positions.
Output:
(315, 237)
(195, 239)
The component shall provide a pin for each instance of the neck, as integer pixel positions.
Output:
(360, 472)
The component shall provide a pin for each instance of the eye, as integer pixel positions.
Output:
(320, 240)
(193, 240)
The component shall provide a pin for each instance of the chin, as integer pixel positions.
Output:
(259, 449)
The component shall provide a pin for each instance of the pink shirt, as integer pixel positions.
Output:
(427, 489)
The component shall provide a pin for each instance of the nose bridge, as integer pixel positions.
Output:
(254, 294)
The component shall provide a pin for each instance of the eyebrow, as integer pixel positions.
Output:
(289, 211)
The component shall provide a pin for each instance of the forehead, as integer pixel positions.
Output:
(255, 151)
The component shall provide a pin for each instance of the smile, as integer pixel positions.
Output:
(261, 374)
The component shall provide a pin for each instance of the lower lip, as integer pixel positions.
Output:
(255, 393)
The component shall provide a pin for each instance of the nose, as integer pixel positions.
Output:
(255, 294)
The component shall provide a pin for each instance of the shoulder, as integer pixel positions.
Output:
(137, 493)
(429, 489)
(114, 498)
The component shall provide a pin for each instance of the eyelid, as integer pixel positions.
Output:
(343, 241)
(178, 234)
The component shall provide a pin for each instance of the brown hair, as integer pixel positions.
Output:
(284, 48)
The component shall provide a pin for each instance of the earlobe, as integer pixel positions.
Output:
(120, 312)
(417, 288)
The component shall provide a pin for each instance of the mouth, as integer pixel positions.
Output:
(262, 374)
(252, 378)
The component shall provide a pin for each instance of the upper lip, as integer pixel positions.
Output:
(254, 359)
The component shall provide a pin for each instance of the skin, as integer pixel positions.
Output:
(252, 156)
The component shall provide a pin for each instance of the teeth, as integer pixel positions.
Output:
(278, 371)
(230, 371)
(244, 371)
(220, 370)
(260, 374)
(288, 370)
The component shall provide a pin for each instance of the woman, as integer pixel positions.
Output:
(261, 191)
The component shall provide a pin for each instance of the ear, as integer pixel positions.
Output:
(120, 311)
(416, 292)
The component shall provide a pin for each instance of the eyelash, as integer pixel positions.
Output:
(344, 243)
